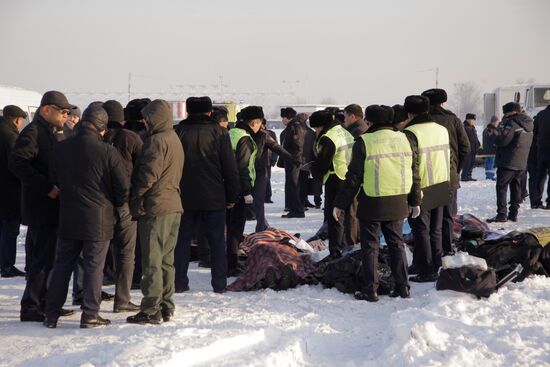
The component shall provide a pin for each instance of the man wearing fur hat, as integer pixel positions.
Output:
(460, 148)
(470, 127)
(513, 142)
(94, 184)
(432, 141)
(245, 149)
(384, 169)
(333, 149)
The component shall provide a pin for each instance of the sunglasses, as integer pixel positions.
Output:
(63, 111)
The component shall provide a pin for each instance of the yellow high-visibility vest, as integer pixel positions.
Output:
(343, 141)
(434, 154)
(235, 135)
(388, 163)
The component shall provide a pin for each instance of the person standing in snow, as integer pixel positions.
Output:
(10, 191)
(209, 185)
(489, 147)
(384, 169)
(542, 161)
(515, 135)
(156, 203)
(470, 128)
(94, 185)
(333, 149)
(245, 149)
(432, 141)
(30, 162)
(460, 147)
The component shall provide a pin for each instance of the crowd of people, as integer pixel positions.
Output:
(123, 188)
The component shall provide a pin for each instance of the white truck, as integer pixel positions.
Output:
(27, 100)
(532, 98)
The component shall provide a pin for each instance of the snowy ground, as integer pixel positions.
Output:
(308, 326)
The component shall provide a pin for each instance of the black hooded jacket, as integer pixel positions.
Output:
(543, 134)
(210, 179)
(514, 142)
(10, 187)
(92, 180)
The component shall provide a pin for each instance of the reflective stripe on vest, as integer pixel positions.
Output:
(343, 141)
(433, 153)
(235, 135)
(388, 164)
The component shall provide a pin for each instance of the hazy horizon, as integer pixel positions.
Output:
(278, 52)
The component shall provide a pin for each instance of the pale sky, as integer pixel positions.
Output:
(349, 51)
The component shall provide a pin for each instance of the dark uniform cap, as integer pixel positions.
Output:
(288, 112)
(56, 98)
(320, 118)
(436, 96)
(379, 114)
(417, 104)
(196, 105)
(399, 114)
(470, 116)
(13, 111)
(252, 112)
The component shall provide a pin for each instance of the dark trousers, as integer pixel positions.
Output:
(426, 231)
(447, 230)
(511, 178)
(259, 192)
(214, 222)
(268, 190)
(351, 224)
(235, 232)
(303, 183)
(136, 280)
(295, 203)
(336, 229)
(124, 246)
(524, 192)
(202, 242)
(28, 251)
(9, 230)
(78, 278)
(93, 254)
(43, 239)
(468, 166)
(370, 246)
(539, 181)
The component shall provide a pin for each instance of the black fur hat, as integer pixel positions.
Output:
(195, 105)
(288, 112)
(511, 107)
(132, 112)
(417, 104)
(320, 118)
(436, 96)
(379, 114)
(251, 113)
(399, 114)
(470, 116)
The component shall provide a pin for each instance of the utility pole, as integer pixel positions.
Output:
(129, 86)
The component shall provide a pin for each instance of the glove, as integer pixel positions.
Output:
(414, 211)
(248, 199)
(336, 213)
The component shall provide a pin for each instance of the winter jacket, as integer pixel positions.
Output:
(309, 145)
(156, 179)
(472, 138)
(436, 195)
(126, 142)
(265, 144)
(10, 187)
(30, 162)
(325, 153)
(385, 208)
(514, 142)
(93, 181)
(295, 137)
(210, 179)
(543, 134)
(281, 162)
(272, 156)
(458, 140)
(243, 151)
(358, 128)
(489, 135)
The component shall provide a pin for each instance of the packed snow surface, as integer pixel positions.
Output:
(307, 326)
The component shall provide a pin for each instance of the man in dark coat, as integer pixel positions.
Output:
(94, 184)
(30, 161)
(513, 144)
(272, 158)
(385, 198)
(134, 118)
(470, 127)
(287, 114)
(209, 185)
(10, 191)
(489, 147)
(542, 133)
(128, 145)
(155, 201)
(460, 147)
(294, 144)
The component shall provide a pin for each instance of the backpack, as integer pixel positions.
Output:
(468, 279)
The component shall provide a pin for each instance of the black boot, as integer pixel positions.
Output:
(497, 219)
(368, 296)
(142, 318)
(400, 291)
(50, 323)
(98, 321)
(167, 313)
